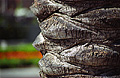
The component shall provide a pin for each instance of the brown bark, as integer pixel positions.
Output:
(78, 38)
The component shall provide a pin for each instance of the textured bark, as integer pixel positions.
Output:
(78, 38)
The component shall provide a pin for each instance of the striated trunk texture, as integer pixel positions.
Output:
(78, 38)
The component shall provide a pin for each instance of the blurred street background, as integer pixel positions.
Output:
(18, 29)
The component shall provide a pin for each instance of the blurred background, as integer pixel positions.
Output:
(18, 29)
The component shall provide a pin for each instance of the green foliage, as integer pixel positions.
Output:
(10, 63)
(7, 63)
(21, 47)
(4, 63)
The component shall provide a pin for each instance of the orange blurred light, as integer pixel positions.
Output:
(20, 55)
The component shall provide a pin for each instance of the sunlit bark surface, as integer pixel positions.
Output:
(78, 38)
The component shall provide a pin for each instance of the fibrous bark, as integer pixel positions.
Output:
(78, 38)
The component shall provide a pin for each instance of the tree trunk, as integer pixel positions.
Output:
(78, 38)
